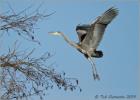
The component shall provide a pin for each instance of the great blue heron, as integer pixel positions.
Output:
(90, 36)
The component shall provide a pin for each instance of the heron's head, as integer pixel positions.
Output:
(56, 33)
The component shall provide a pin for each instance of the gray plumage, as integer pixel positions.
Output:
(91, 35)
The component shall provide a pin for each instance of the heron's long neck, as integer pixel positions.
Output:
(69, 41)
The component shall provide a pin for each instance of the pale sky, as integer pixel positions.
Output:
(119, 67)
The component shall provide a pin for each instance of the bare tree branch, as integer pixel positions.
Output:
(23, 76)
(22, 23)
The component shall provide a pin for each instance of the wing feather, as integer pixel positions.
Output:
(108, 16)
(82, 31)
(95, 34)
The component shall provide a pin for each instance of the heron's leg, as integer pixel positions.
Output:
(95, 74)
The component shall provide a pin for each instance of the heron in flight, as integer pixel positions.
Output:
(90, 36)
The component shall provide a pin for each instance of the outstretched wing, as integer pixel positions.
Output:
(97, 29)
(82, 31)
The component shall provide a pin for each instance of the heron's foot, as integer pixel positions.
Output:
(96, 76)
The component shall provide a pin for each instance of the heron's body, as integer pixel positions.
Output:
(82, 31)
(90, 36)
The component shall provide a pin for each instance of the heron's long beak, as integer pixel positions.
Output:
(55, 33)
